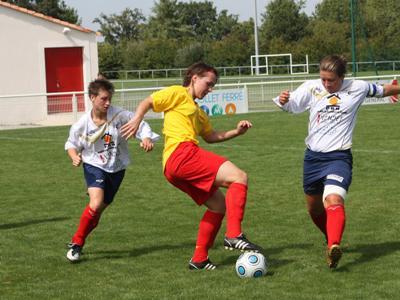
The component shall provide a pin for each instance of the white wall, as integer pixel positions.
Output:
(23, 39)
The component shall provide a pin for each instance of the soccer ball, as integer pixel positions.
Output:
(251, 264)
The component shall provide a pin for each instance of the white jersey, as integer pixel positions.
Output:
(103, 146)
(332, 115)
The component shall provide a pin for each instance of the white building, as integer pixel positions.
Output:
(39, 55)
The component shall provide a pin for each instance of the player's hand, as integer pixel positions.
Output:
(284, 97)
(77, 160)
(147, 144)
(243, 126)
(129, 129)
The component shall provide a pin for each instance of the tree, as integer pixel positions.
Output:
(337, 11)
(189, 54)
(283, 19)
(155, 53)
(121, 28)
(165, 22)
(53, 8)
(224, 25)
(198, 18)
(110, 59)
(326, 37)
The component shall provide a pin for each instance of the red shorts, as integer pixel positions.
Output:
(193, 170)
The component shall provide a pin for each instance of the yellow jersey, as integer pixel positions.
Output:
(184, 120)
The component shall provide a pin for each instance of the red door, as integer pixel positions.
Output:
(64, 73)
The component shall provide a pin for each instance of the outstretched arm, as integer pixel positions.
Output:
(130, 128)
(390, 89)
(220, 136)
(297, 101)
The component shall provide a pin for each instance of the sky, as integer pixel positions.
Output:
(90, 9)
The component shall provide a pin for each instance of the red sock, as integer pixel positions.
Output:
(320, 222)
(88, 222)
(208, 229)
(235, 200)
(335, 222)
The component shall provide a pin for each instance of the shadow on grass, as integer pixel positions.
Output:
(117, 254)
(269, 253)
(369, 252)
(31, 222)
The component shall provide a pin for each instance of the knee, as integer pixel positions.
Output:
(241, 177)
(97, 208)
(333, 199)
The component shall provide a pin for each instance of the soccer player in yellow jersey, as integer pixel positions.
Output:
(195, 171)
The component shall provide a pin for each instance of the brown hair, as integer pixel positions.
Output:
(334, 63)
(199, 69)
(100, 84)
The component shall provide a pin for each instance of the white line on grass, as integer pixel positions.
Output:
(25, 139)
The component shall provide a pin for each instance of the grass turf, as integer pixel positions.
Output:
(142, 245)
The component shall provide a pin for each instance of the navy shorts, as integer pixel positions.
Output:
(109, 182)
(331, 168)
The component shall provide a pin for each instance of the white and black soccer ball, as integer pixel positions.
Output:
(251, 264)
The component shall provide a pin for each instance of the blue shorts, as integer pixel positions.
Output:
(331, 168)
(109, 182)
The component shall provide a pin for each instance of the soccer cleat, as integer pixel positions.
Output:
(74, 252)
(204, 265)
(241, 243)
(333, 255)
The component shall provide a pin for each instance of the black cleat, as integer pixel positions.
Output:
(241, 243)
(74, 252)
(204, 265)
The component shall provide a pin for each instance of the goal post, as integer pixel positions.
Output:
(263, 63)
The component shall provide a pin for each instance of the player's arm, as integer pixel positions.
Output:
(146, 136)
(297, 101)
(390, 89)
(147, 144)
(221, 136)
(284, 97)
(131, 127)
(75, 156)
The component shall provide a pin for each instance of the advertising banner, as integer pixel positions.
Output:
(225, 102)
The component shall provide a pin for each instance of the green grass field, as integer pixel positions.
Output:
(142, 245)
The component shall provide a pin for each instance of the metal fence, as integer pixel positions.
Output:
(244, 70)
(66, 108)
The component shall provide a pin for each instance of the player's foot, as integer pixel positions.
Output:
(204, 265)
(241, 243)
(74, 252)
(333, 255)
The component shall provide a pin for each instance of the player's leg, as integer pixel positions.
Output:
(102, 187)
(335, 224)
(208, 229)
(235, 180)
(88, 221)
(317, 211)
(90, 216)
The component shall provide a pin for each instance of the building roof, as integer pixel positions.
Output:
(44, 17)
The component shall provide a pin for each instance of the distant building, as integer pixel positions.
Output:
(40, 54)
